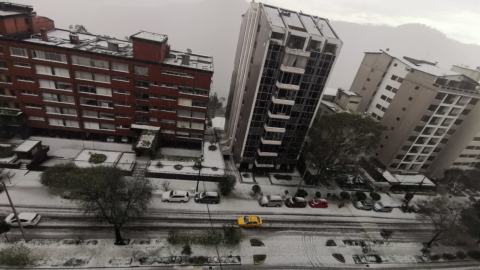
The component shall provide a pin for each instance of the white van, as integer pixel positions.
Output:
(380, 207)
(271, 200)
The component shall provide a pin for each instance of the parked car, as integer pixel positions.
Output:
(410, 208)
(363, 205)
(249, 221)
(207, 197)
(318, 203)
(296, 202)
(27, 219)
(270, 200)
(175, 196)
(380, 207)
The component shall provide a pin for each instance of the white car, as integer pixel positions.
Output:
(175, 196)
(27, 219)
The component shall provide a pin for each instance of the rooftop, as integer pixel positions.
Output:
(99, 44)
(312, 25)
(330, 91)
(332, 106)
(26, 146)
(349, 93)
(412, 179)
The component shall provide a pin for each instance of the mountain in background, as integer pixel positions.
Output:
(414, 40)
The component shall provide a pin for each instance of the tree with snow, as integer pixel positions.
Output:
(214, 104)
(106, 192)
(443, 214)
(455, 179)
(78, 28)
(470, 219)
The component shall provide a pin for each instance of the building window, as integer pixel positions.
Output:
(5, 78)
(404, 109)
(102, 91)
(193, 91)
(25, 79)
(166, 109)
(123, 126)
(3, 64)
(53, 71)
(169, 98)
(398, 118)
(153, 119)
(139, 70)
(122, 104)
(417, 87)
(153, 83)
(141, 84)
(58, 110)
(58, 98)
(121, 115)
(120, 78)
(19, 52)
(395, 64)
(33, 106)
(89, 62)
(167, 121)
(7, 92)
(21, 64)
(81, 75)
(55, 85)
(368, 79)
(394, 78)
(29, 93)
(36, 118)
(63, 123)
(410, 98)
(50, 56)
(120, 67)
(121, 92)
(168, 131)
(180, 74)
(168, 85)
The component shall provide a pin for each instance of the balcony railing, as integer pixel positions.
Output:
(292, 69)
(283, 101)
(274, 129)
(287, 86)
(278, 116)
(267, 154)
(271, 142)
(297, 52)
(259, 165)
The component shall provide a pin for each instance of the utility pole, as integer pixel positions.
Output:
(15, 212)
(303, 177)
(415, 191)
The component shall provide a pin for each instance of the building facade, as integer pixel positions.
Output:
(473, 74)
(343, 101)
(282, 65)
(432, 114)
(86, 86)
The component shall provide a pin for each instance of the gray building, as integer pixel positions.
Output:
(432, 114)
(343, 101)
(282, 65)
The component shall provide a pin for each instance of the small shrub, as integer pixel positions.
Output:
(256, 189)
(408, 196)
(166, 184)
(97, 158)
(448, 256)
(287, 192)
(474, 254)
(331, 243)
(199, 260)
(245, 175)
(178, 167)
(159, 165)
(360, 195)
(7, 151)
(425, 251)
(212, 147)
(461, 255)
(256, 243)
(227, 184)
(187, 250)
(375, 196)
(435, 257)
(318, 195)
(283, 177)
(345, 195)
(301, 193)
(335, 197)
(232, 235)
(16, 255)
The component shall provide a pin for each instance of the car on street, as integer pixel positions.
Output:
(249, 221)
(207, 197)
(381, 207)
(318, 203)
(175, 196)
(270, 200)
(296, 202)
(26, 219)
(363, 205)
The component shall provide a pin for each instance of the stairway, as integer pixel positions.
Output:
(139, 170)
(23, 166)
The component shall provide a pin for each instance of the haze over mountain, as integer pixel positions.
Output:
(211, 27)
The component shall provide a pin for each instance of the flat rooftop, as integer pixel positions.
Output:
(299, 21)
(99, 44)
(26, 146)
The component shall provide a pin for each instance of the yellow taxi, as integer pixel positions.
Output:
(250, 221)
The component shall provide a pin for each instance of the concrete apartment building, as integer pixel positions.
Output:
(282, 65)
(473, 74)
(432, 114)
(343, 101)
(59, 83)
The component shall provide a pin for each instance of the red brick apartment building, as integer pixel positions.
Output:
(54, 82)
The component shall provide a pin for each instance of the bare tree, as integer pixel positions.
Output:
(443, 214)
(165, 184)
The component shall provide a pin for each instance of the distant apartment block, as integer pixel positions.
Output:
(432, 114)
(56, 82)
(473, 74)
(282, 65)
(344, 101)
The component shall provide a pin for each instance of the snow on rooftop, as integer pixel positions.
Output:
(4, 13)
(310, 24)
(332, 106)
(146, 140)
(218, 122)
(348, 92)
(413, 179)
(273, 16)
(26, 146)
(151, 36)
(325, 28)
(330, 91)
(82, 159)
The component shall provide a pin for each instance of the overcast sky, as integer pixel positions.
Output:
(458, 19)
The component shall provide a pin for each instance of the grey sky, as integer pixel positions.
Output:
(459, 20)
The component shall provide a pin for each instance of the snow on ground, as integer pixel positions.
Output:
(247, 178)
(82, 159)
(80, 144)
(296, 179)
(127, 161)
(218, 122)
(64, 153)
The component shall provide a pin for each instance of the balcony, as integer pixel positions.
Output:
(292, 69)
(259, 165)
(283, 101)
(287, 86)
(270, 142)
(278, 116)
(267, 154)
(274, 129)
(297, 52)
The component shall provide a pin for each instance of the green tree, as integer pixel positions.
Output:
(78, 28)
(386, 234)
(4, 228)
(256, 189)
(360, 195)
(227, 184)
(443, 214)
(345, 195)
(470, 219)
(339, 139)
(214, 104)
(187, 250)
(106, 192)
(455, 179)
(16, 255)
(375, 196)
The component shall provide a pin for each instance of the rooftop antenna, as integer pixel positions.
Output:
(426, 55)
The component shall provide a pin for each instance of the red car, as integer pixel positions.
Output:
(318, 203)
